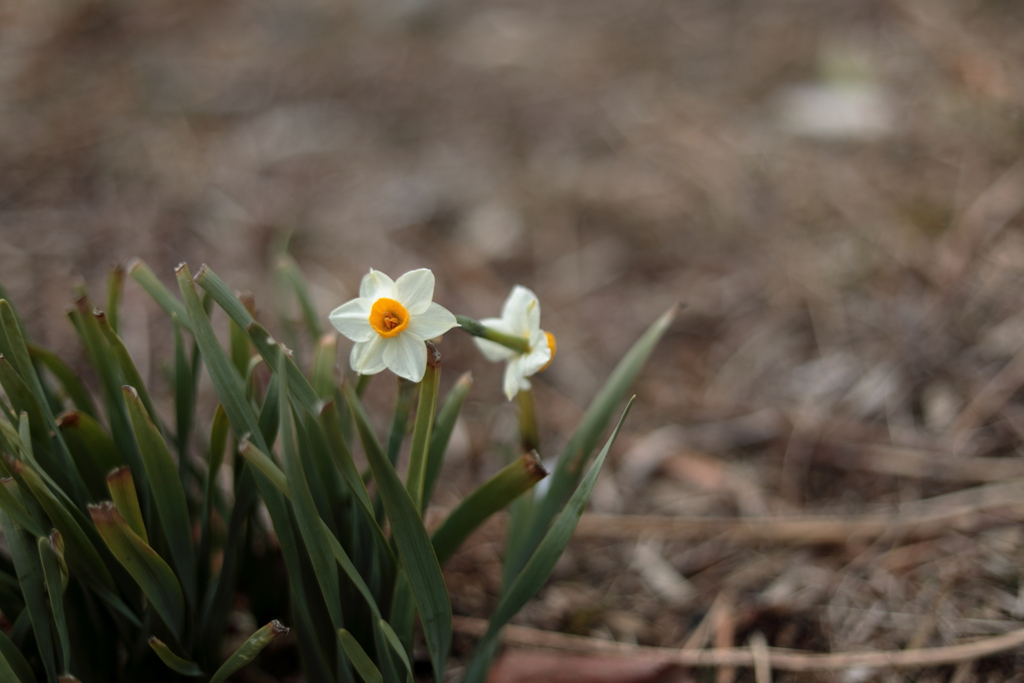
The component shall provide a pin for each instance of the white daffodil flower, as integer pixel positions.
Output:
(520, 317)
(390, 321)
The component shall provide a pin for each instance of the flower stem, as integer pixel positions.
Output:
(528, 433)
(399, 428)
(400, 420)
(475, 328)
(362, 382)
(421, 431)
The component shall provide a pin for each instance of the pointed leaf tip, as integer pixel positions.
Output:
(119, 474)
(69, 418)
(173, 661)
(249, 649)
(534, 466)
(103, 513)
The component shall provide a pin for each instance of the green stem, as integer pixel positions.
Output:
(421, 431)
(528, 433)
(115, 287)
(400, 420)
(399, 428)
(475, 328)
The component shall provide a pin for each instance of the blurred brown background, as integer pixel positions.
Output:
(831, 189)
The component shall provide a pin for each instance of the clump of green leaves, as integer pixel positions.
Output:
(126, 554)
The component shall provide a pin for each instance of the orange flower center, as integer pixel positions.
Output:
(552, 346)
(388, 317)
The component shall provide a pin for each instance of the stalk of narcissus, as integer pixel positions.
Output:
(420, 447)
(478, 329)
(529, 434)
(509, 341)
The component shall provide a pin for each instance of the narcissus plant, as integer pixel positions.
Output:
(125, 527)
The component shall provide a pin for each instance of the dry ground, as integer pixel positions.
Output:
(831, 188)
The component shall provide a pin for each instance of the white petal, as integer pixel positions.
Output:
(532, 362)
(533, 317)
(521, 311)
(352, 319)
(406, 356)
(433, 322)
(376, 284)
(368, 357)
(493, 351)
(539, 356)
(415, 290)
(498, 324)
(514, 381)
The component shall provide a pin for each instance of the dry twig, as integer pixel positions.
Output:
(780, 658)
(963, 511)
(762, 660)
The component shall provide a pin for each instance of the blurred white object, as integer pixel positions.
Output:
(836, 111)
(660, 575)
(494, 230)
(502, 38)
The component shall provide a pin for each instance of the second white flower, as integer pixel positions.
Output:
(520, 317)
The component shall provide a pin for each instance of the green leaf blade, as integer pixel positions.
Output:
(419, 450)
(154, 576)
(15, 661)
(497, 492)
(178, 664)
(311, 526)
(249, 649)
(81, 553)
(121, 486)
(115, 290)
(184, 397)
(147, 279)
(368, 671)
(261, 339)
(577, 451)
(538, 568)
(266, 465)
(33, 586)
(92, 449)
(52, 578)
(231, 391)
(413, 543)
(168, 494)
(289, 270)
(7, 671)
(71, 380)
(124, 360)
(444, 425)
